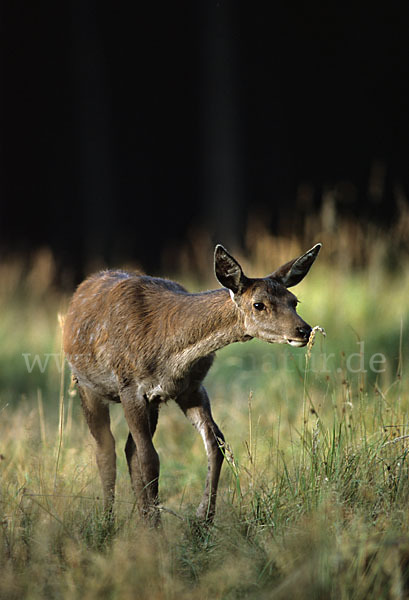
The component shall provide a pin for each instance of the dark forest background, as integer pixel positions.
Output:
(125, 126)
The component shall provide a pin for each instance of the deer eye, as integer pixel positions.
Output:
(259, 306)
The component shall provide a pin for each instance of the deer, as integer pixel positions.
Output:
(143, 341)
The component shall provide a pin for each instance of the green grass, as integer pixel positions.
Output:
(314, 494)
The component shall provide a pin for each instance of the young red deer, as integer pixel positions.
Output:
(141, 341)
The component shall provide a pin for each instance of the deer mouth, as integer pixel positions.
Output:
(297, 343)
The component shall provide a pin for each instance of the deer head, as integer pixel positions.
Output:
(268, 308)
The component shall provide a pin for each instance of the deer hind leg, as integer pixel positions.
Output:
(196, 407)
(97, 416)
(142, 458)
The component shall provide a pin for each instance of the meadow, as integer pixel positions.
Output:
(314, 493)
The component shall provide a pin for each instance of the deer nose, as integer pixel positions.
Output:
(304, 331)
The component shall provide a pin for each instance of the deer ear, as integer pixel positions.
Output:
(294, 271)
(228, 271)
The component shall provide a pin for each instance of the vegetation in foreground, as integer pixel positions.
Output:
(314, 495)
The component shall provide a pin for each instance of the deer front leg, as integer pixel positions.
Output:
(96, 412)
(142, 458)
(196, 407)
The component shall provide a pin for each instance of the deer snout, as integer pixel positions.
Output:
(304, 331)
(303, 335)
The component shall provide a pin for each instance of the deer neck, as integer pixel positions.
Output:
(208, 321)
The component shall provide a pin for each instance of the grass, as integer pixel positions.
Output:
(314, 494)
